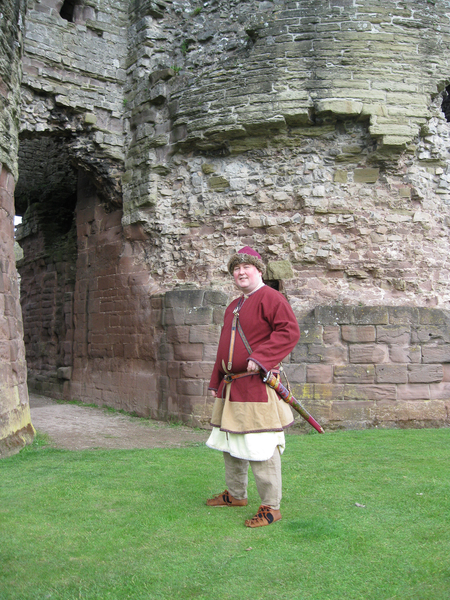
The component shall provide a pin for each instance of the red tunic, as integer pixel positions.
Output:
(271, 329)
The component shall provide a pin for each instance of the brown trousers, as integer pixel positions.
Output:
(267, 474)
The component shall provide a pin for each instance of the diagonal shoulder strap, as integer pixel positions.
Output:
(243, 338)
(236, 325)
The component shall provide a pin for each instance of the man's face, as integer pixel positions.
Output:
(247, 277)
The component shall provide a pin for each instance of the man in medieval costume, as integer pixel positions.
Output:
(249, 418)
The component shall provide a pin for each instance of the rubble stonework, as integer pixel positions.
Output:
(159, 136)
(16, 429)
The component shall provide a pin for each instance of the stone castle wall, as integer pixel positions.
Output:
(159, 137)
(15, 425)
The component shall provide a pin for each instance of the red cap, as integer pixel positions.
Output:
(246, 255)
(249, 251)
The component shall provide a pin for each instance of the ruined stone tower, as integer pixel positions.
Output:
(15, 427)
(157, 137)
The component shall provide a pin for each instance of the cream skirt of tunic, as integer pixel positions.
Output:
(247, 446)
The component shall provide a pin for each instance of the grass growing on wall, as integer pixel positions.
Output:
(365, 517)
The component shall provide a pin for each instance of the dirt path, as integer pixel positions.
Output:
(73, 427)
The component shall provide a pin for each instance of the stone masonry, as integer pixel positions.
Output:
(15, 424)
(159, 136)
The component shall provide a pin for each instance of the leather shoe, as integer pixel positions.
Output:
(264, 516)
(226, 499)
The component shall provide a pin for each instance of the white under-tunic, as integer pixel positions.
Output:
(247, 446)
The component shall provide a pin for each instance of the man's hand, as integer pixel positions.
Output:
(252, 367)
(213, 393)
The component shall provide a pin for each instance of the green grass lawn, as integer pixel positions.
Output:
(365, 516)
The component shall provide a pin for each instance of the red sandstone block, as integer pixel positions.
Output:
(178, 334)
(436, 354)
(446, 372)
(311, 334)
(324, 392)
(165, 352)
(354, 411)
(388, 373)
(295, 373)
(358, 333)
(4, 328)
(118, 350)
(403, 315)
(122, 305)
(190, 387)
(7, 236)
(440, 391)
(209, 352)
(7, 186)
(130, 351)
(218, 314)
(370, 392)
(319, 373)
(188, 351)
(10, 306)
(148, 351)
(430, 333)
(194, 370)
(98, 322)
(354, 374)
(199, 315)
(111, 237)
(327, 354)
(106, 282)
(157, 302)
(413, 391)
(135, 232)
(173, 369)
(174, 316)
(425, 373)
(97, 351)
(206, 334)
(112, 219)
(405, 354)
(386, 411)
(156, 317)
(4, 351)
(422, 410)
(114, 320)
(303, 391)
(368, 353)
(106, 306)
(331, 334)
(16, 351)
(85, 214)
(393, 334)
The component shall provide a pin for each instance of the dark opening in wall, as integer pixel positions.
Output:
(276, 284)
(445, 106)
(68, 9)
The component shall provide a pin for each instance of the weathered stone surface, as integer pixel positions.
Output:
(405, 354)
(370, 392)
(16, 429)
(368, 353)
(425, 373)
(352, 333)
(319, 373)
(393, 334)
(391, 374)
(354, 374)
(413, 391)
(366, 175)
(436, 354)
(280, 269)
